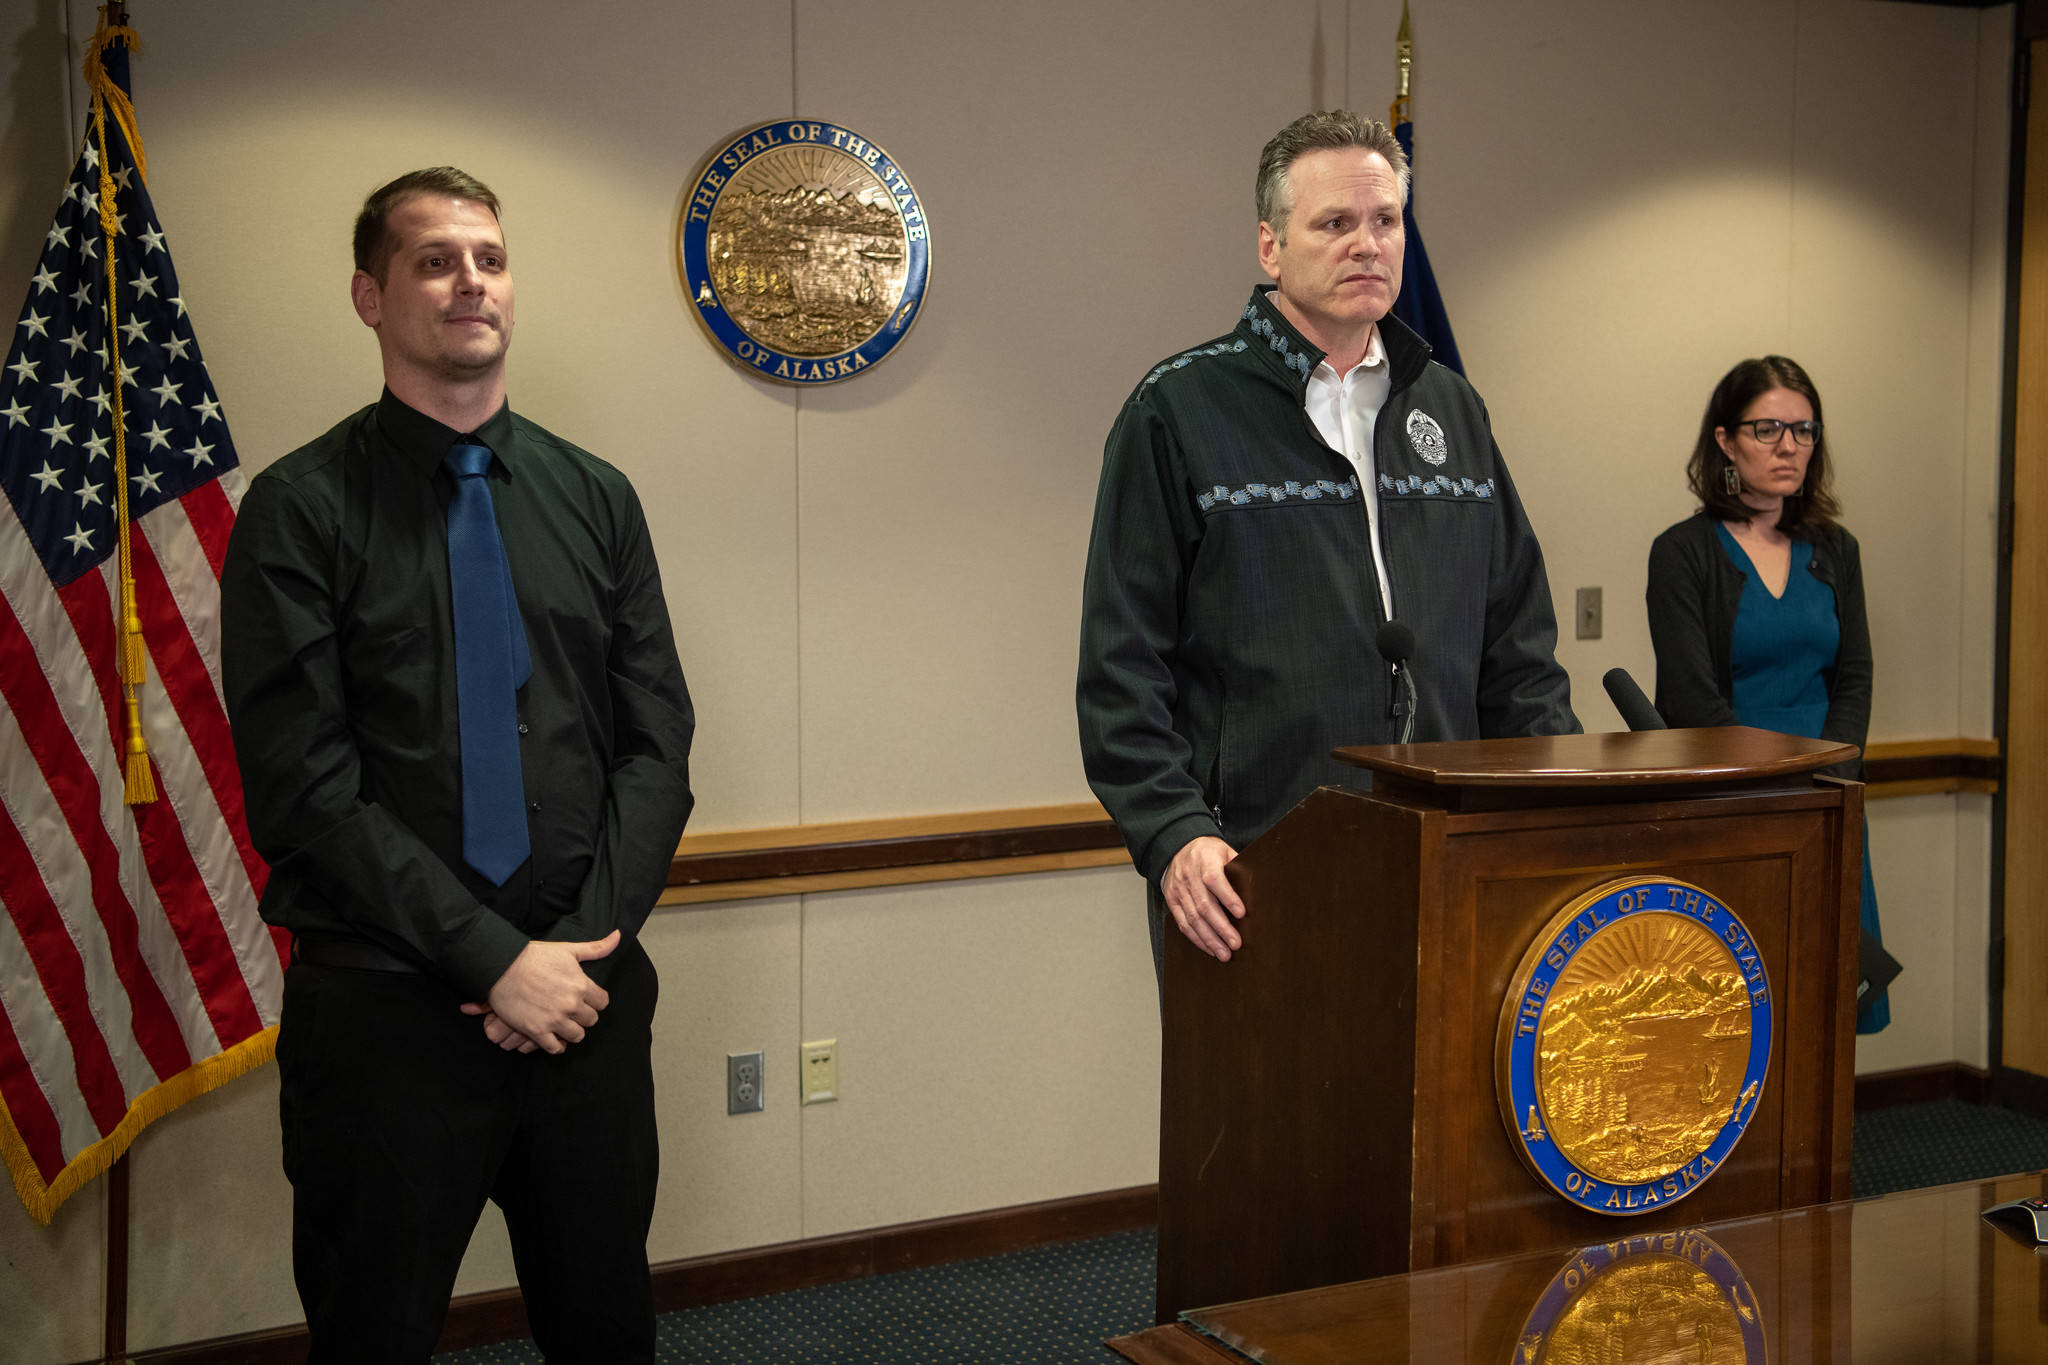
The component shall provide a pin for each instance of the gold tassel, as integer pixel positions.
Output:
(134, 650)
(140, 788)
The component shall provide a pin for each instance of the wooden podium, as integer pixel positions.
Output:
(1328, 1109)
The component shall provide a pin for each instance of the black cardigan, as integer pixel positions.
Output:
(1693, 593)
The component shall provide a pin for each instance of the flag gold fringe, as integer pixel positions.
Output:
(42, 1200)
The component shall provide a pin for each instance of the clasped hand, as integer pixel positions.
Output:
(545, 1000)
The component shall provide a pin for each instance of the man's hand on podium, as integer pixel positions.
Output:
(1201, 898)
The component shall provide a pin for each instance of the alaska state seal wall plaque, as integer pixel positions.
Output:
(804, 251)
(1633, 1046)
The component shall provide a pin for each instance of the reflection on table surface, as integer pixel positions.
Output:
(1913, 1277)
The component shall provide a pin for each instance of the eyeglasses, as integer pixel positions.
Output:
(1767, 430)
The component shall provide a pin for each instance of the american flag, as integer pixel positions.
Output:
(135, 972)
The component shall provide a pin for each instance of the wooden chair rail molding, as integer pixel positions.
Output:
(747, 864)
(1915, 767)
(753, 863)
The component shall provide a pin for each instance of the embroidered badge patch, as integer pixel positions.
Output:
(1633, 1044)
(804, 251)
(1427, 437)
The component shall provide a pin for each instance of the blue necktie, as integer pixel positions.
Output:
(491, 664)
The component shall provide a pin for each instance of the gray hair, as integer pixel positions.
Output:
(1332, 128)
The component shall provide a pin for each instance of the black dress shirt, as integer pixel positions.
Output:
(339, 668)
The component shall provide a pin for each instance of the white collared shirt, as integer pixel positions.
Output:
(1344, 412)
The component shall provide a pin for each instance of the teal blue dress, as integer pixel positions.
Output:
(1782, 650)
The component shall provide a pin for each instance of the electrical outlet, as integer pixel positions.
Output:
(1587, 613)
(821, 1071)
(744, 1093)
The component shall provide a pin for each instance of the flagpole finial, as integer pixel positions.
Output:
(1404, 70)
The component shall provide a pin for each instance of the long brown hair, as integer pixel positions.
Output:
(1805, 514)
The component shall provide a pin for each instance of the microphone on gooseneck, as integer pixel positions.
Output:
(1628, 699)
(1395, 640)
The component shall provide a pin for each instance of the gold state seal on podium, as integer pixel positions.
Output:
(1633, 1044)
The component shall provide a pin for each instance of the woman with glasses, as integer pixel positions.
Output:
(1756, 600)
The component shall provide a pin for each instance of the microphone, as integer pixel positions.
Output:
(1628, 699)
(1395, 640)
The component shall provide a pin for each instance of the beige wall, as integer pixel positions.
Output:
(875, 584)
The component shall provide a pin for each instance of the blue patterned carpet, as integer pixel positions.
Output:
(1055, 1305)
(1917, 1145)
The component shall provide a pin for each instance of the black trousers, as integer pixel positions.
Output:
(401, 1118)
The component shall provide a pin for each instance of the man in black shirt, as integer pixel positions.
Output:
(467, 1015)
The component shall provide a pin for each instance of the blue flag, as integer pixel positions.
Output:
(1419, 305)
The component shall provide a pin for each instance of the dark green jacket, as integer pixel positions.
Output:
(1230, 606)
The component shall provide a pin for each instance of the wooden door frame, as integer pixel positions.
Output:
(2021, 1089)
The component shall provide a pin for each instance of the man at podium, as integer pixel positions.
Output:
(1290, 517)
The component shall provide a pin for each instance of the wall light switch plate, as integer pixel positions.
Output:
(1587, 614)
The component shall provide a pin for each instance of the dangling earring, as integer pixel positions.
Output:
(1731, 480)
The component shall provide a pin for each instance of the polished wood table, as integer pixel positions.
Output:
(1913, 1277)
